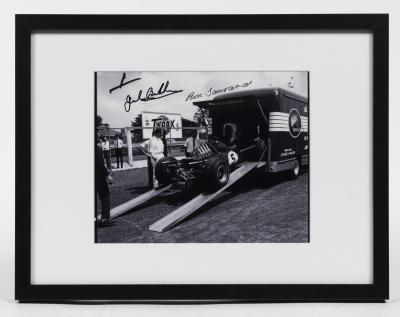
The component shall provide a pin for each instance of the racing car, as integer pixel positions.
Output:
(207, 165)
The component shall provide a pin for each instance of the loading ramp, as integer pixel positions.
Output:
(200, 200)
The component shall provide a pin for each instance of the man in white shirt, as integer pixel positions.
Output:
(118, 145)
(105, 146)
(154, 149)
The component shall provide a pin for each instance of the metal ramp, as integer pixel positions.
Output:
(139, 200)
(190, 207)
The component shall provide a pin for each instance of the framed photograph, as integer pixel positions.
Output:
(202, 158)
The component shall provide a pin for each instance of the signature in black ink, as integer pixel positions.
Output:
(162, 92)
(212, 92)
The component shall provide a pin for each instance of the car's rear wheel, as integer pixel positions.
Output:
(296, 170)
(163, 171)
(217, 172)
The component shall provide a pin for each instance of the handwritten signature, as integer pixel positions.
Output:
(212, 92)
(151, 94)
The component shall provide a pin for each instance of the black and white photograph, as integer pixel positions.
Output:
(202, 157)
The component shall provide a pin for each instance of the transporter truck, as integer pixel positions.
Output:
(269, 126)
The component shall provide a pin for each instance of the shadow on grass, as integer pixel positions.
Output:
(136, 191)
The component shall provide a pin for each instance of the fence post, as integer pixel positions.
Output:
(129, 143)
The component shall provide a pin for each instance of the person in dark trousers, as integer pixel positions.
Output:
(154, 149)
(144, 147)
(164, 141)
(150, 172)
(105, 145)
(118, 144)
(102, 189)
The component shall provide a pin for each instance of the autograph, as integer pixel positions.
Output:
(212, 92)
(162, 92)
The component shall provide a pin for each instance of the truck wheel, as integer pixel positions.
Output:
(217, 172)
(162, 170)
(295, 171)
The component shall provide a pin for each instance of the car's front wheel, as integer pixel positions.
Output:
(217, 173)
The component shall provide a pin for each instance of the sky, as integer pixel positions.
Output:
(192, 86)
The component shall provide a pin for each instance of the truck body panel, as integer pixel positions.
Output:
(275, 115)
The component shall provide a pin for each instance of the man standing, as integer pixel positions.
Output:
(102, 189)
(118, 144)
(154, 148)
(191, 143)
(105, 146)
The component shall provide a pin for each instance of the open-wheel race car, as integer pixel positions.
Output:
(207, 165)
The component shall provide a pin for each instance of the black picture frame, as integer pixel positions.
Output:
(376, 24)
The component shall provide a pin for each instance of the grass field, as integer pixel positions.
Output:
(258, 208)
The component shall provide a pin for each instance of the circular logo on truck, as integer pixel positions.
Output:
(294, 123)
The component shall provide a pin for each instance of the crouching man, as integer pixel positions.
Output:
(154, 149)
